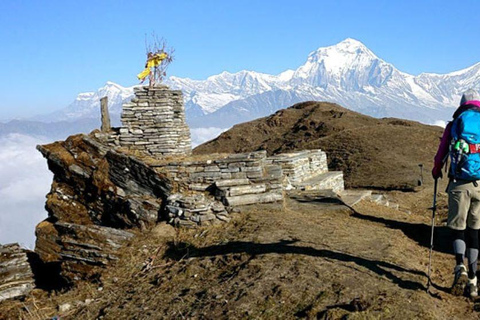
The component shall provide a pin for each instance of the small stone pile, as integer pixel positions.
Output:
(193, 210)
(16, 277)
(154, 122)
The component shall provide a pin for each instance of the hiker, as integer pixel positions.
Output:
(461, 139)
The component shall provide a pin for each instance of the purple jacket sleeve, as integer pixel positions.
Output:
(442, 149)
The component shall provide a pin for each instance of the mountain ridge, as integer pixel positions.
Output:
(347, 73)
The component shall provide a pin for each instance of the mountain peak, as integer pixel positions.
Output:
(352, 43)
(347, 47)
(335, 65)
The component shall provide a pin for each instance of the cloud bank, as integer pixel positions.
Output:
(201, 135)
(24, 183)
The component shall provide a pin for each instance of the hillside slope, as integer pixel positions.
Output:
(373, 153)
(293, 260)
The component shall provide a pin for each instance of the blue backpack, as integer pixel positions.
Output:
(465, 145)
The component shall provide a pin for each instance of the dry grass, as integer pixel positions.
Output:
(282, 261)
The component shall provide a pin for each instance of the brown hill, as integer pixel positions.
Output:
(372, 153)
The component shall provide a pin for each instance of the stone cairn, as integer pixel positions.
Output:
(154, 122)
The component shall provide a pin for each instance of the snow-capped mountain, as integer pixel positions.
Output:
(347, 73)
(87, 105)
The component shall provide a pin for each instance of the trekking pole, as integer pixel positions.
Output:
(434, 209)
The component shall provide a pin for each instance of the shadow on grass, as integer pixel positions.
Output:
(286, 247)
(418, 232)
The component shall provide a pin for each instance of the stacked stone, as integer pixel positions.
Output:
(110, 138)
(237, 179)
(154, 122)
(332, 180)
(16, 277)
(193, 210)
(299, 166)
(236, 192)
(308, 170)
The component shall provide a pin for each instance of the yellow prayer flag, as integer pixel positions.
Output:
(142, 75)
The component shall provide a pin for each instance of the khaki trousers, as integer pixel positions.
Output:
(463, 205)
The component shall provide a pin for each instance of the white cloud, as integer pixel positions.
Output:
(24, 183)
(201, 135)
(440, 123)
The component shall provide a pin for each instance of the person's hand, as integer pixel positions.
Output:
(437, 172)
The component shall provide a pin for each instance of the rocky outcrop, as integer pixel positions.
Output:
(80, 248)
(16, 277)
(93, 184)
(96, 191)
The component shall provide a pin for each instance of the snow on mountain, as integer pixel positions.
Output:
(347, 73)
(218, 90)
(87, 105)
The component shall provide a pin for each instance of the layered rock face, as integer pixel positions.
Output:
(94, 184)
(80, 249)
(95, 192)
(16, 277)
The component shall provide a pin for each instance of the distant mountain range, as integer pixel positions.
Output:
(347, 73)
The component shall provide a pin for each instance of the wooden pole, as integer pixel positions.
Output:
(105, 115)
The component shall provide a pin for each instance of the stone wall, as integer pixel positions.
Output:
(302, 165)
(154, 122)
(308, 170)
(233, 180)
(242, 179)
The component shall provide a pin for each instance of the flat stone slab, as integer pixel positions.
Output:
(332, 180)
(352, 197)
(330, 198)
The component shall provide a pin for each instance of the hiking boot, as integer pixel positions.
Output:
(472, 287)
(460, 280)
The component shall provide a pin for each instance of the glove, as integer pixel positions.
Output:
(437, 172)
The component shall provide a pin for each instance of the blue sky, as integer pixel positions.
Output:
(52, 50)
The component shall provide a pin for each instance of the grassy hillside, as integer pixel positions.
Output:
(373, 153)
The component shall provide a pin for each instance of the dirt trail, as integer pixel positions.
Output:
(311, 260)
